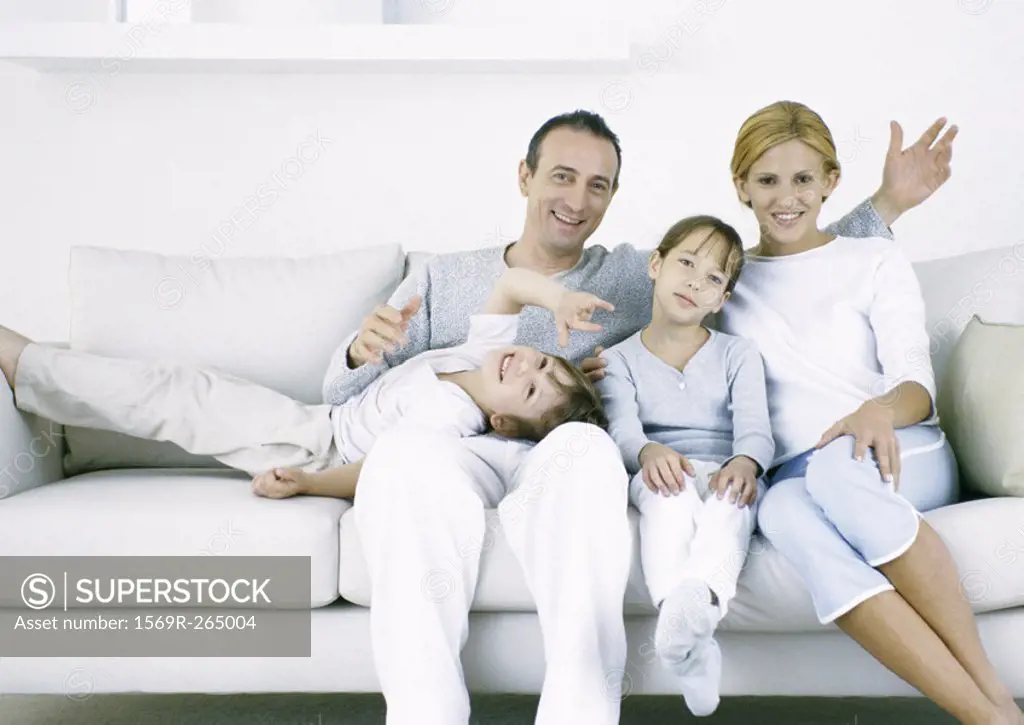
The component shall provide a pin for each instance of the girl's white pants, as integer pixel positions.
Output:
(693, 535)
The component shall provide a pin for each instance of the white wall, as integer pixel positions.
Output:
(161, 162)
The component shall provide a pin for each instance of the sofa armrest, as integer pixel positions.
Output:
(31, 448)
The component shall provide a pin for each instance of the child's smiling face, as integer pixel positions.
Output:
(786, 188)
(522, 382)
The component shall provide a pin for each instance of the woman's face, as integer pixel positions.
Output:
(786, 187)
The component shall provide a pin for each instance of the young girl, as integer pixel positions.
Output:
(687, 408)
(840, 324)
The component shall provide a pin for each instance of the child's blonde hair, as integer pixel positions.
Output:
(776, 124)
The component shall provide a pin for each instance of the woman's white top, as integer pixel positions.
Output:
(836, 326)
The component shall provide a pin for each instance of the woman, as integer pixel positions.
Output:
(840, 325)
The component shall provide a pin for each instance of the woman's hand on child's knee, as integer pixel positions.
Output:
(664, 469)
(738, 477)
(279, 483)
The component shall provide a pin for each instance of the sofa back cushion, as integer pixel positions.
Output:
(989, 284)
(273, 320)
(276, 321)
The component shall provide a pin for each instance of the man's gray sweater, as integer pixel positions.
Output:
(456, 285)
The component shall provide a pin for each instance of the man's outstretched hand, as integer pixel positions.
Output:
(914, 173)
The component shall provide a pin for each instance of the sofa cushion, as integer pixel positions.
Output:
(173, 512)
(273, 320)
(770, 596)
(986, 284)
(981, 403)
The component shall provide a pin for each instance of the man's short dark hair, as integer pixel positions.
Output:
(578, 120)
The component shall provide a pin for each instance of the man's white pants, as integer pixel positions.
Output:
(692, 535)
(562, 503)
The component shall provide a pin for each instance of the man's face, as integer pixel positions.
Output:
(571, 189)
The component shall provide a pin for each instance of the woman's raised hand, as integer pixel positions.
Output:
(913, 174)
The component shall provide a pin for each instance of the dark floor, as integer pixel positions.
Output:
(488, 710)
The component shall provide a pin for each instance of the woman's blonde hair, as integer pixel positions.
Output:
(776, 124)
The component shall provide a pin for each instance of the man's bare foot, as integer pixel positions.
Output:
(11, 345)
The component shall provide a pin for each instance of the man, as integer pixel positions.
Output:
(562, 502)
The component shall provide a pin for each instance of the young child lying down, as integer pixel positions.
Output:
(485, 384)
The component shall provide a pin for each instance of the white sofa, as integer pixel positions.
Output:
(73, 492)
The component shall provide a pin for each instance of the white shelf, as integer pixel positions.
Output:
(111, 48)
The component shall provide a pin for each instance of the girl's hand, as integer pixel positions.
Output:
(871, 425)
(280, 483)
(663, 469)
(739, 477)
(573, 312)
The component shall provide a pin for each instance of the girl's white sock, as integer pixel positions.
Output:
(685, 644)
(702, 680)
